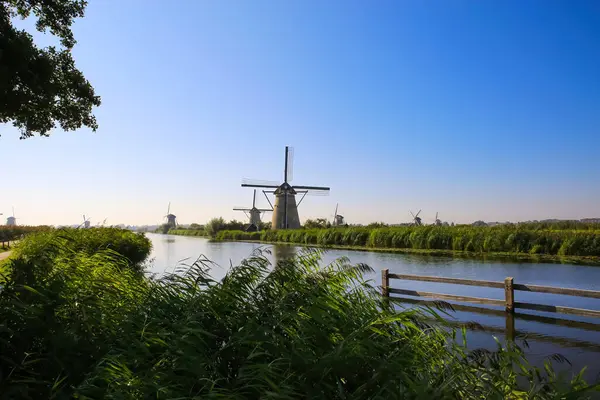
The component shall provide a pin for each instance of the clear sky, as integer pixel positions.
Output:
(476, 109)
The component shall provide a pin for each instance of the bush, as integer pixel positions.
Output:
(49, 245)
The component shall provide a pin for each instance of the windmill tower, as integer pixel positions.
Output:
(338, 220)
(253, 214)
(285, 211)
(12, 221)
(86, 222)
(438, 222)
(171, 219)
(416, 219)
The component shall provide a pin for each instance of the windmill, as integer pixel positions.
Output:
(171, 219)
(438, 222)
(416, 218)
(12, 221)
(253, 214)
(338, 220)
(285, 211)
(86, 222)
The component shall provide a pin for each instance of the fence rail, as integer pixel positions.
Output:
(509, 293)
(508, 303)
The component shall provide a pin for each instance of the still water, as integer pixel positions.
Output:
(546, 333)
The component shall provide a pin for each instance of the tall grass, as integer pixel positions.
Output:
(86, 325)
(68, 242)
(499, 239)
(188, 232)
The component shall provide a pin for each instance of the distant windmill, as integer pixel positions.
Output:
(338, 220)
(438, 222)
(86, 222)
(12, 221)
(253, 214)
(416, 218)
(171, 219)
(285, 211)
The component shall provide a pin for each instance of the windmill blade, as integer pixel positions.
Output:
(254, 199)
(289, 158)
(418, 213)
(436, 215)
(169, 209)
(264, 209)
(262, 182)
(315, 192)
(322, 188)
(241, 209)
(336, 208)
(413, 215)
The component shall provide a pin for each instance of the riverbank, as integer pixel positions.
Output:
(536, 245)
(495, 256)
(188, 232)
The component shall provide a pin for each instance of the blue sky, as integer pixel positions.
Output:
(478, 110)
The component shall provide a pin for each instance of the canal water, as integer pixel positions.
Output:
(545, 333)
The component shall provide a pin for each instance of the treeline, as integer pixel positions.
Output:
(80, 320)
(11, 233)
(497, 239)
(213, 227)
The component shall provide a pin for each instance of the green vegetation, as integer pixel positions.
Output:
(188, 232)
(46, 247)
(77, 321)
(192, 230)
(41, 87)
(216, 225)
(519, 239)
(11, 233)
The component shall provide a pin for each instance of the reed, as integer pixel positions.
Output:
(498, 239)
(84, 324)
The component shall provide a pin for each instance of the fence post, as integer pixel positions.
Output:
(509, 294)
(385, 282)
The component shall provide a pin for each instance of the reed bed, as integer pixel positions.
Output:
(499, 239)
(78, 321)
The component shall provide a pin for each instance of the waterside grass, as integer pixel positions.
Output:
(188, 232)
(82, 323)
(582, 246)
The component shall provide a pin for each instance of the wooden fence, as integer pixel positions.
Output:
(509, 303)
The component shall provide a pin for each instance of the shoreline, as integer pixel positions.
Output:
(495, 256)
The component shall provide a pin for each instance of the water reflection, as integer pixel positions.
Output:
(282, 252)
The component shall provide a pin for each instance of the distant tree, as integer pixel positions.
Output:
(40, 87)
(377, 225)
(264, 226)
(164, 229)
(195, 226)
(319, 223)
(215, 225)
(479, 223)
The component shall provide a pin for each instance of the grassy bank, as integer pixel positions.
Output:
(501, 240)
(188, 232)
(79, 320)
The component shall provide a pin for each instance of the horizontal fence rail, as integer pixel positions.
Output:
(509, 293)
